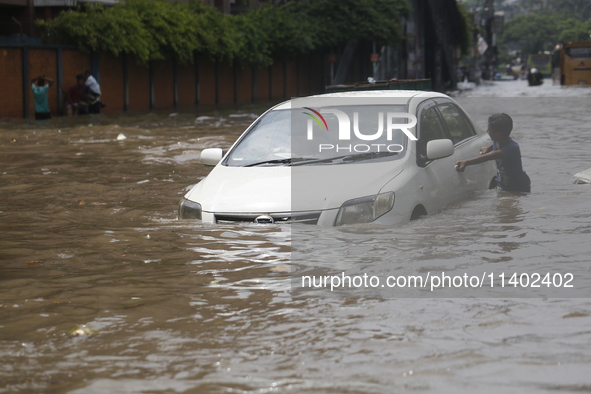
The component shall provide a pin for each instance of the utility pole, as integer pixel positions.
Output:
(487, 17)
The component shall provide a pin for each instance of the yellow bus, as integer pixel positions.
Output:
(575, 64)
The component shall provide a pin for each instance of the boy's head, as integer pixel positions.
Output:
(501, 123)
(40, 81)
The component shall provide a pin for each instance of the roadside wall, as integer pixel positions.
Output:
(11, 83)
(167, 84)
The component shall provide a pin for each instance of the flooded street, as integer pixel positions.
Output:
(103, 290)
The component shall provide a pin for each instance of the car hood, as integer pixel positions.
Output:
(286, 189)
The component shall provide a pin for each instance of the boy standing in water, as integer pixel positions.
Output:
(505, 151)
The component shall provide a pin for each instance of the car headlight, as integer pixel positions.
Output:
(189, 209)
(365, 209)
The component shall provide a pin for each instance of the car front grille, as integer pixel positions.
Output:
(310, 217)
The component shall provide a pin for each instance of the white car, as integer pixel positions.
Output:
(344, 158)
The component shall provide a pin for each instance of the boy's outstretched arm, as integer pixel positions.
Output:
(485, 149)
(462, 164)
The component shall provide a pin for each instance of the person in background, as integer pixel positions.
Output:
(40, 86)
(535, 77)
(94, 93)
(73, 96)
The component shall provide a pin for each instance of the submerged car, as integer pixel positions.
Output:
(385, 157)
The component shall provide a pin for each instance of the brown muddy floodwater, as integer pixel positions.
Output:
(103, 290)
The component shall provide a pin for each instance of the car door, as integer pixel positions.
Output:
(433, 176)
(459, 128)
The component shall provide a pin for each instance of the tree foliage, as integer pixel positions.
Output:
(533, 33)
(268, 33)
(467, 29)
(541, 31)
(338, 21)
(157, 29)
(93, 28)
(148, 29)
(580, 8)
(573, 30)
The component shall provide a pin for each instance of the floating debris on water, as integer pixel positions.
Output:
(203, 119)
(582, 178)
(83, 331)
(280, 269)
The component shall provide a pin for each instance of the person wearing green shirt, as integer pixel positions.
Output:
(40, 95)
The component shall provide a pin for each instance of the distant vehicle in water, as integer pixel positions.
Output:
(510, 75)
(542, 62)
(575, 64)
(534, 77)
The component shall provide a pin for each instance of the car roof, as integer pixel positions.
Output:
(401, 97)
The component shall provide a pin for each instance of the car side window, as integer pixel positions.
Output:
(430, 126)
(457, 124)
(429, 129)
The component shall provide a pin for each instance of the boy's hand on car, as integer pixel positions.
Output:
(460, 166)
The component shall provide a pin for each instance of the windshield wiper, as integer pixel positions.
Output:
(317, 161)
(286, 161)
(347, 158)
(368, 156)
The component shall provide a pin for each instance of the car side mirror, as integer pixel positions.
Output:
(211, 156)
(437, 149)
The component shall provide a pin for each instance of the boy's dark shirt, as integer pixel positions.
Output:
(510, 176)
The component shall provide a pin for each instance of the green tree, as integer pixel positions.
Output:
(158, 29)
(94, 28)
(579, 8)
(147, 29)
(173, 30)
(338, 21)
(533, 33)
(467, 31)
(217, 35)
(268, 33)
(572, 30)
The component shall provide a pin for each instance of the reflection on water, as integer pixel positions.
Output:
(91, 245)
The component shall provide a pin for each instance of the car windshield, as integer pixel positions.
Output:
(324, 136)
